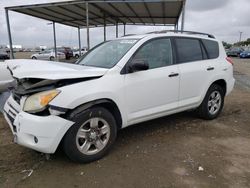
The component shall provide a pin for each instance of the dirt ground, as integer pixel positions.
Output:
(174, 151)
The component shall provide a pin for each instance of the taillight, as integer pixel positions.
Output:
(229, 60)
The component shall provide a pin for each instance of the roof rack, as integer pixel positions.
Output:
(179, 31)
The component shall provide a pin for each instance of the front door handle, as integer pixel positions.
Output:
(210, 68)
(173, 74)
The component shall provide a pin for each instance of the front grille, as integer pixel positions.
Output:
(11, 110)
(11, 119)
(16, 97)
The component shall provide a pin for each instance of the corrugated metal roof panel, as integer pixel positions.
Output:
(73, 13)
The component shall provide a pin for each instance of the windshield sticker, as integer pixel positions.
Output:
(128, 41)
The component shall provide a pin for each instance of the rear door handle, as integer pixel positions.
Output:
(210, 68)
(173, 74)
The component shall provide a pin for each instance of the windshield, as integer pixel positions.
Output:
(107, 54)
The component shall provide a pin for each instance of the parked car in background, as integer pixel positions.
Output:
(4, 54)
(118, 83)
(67, 51)
(76, 53)
(245, 54)
(48, 55)
(235, 52)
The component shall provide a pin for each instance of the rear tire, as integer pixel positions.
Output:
(213, 103)
(92, 135)
(76, 56)
(51, 58)
(33, 57)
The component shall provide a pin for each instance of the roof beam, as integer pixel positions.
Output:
(90, 12)
(144, 17)
(117, 10)
(48, 9)
(64, 8)
(164, 12)
(104, 11)
(150, 16)
(132, 10)
(42, 13)
(58, 20)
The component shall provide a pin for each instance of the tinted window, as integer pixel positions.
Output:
(212, 48)
(188, 50)
(157, 53)
(204, 54)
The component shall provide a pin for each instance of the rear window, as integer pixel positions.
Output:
(212, 48)
(188, 50)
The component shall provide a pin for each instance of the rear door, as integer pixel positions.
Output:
(212, 49)
(195, 70)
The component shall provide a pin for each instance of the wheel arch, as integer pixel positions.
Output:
(222, 83)
(109, 104)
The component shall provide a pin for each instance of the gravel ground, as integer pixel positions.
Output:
(175, 151)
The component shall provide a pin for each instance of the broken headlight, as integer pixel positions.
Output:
(39, 101)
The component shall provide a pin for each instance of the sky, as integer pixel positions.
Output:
(223, 18)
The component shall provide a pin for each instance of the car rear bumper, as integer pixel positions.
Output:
(41, 133)
(230, 85)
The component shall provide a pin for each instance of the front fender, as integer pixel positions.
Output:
(73, 96)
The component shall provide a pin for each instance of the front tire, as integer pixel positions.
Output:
(213, 103)
(92, 135)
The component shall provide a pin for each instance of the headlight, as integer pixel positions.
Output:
(39, 101)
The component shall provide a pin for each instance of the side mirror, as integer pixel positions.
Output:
(138, 65)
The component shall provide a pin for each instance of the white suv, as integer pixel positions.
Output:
(116, 84)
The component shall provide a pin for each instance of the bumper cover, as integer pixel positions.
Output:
(230, 85)
(41, 133)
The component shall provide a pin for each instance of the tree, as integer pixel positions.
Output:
(226, 45)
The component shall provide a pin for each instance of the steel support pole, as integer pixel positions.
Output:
(54, 34)
(124, 29)
(87, 24)
(9, 33)
(183, 15)
(116, 29)
(104, 28)
(79, 41)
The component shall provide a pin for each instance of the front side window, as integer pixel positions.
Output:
(157, 53)
(188, 50)
(107, 54)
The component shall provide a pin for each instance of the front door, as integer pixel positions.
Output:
(152, 93)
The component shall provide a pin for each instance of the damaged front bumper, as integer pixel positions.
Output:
(41, 133)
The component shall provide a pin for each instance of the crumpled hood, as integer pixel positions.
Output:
(25, 68)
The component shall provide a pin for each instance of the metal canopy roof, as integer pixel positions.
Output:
(107, 12)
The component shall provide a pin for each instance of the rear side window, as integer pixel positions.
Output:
(212, 48)
(188, 50)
